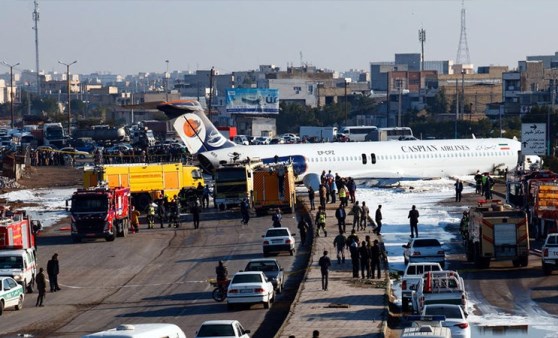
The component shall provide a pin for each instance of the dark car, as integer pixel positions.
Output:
(271, 269)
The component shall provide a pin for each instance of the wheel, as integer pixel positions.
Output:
(28, 286)
(404, 304)
(1, 307)
(515, 263)
(547, 269)
(219, 294)
(110, 238)
(524, 261)
(19, 305)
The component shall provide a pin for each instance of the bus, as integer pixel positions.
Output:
(391, 134)
(357, 133)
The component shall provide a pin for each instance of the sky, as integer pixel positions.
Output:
(131, 36)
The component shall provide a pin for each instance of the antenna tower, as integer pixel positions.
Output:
(463, 50)
(36, 29)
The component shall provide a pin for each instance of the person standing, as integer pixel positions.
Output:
(151, 215)
(195, 210)
(245, 211)
(161, 211)
(351, 186)
(302, 230)
(53, 268)
(413, 220)
(478, 183)
(378, 219)
(343, 195)
(41, 287)
(333, 191)
(205, 197)
(341, 214)
(324, 264)
(311, 195)
(323, 195)
(356, 210)
(135, 219)
(321, 221)
(365, 214)
(276, 218)
(458, 189)
(364, 257)
(375, 259)
(339, 243)
(353, 248)
(489, 186)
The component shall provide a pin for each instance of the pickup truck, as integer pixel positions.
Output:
(411, 278)
(440, 287)
(550, 253)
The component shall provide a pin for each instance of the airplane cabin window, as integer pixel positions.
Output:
(363, 158)
(373, 158)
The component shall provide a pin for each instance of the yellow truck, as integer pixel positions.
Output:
(146, 181)
(274, 187)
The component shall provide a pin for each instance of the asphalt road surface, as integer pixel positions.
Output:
(157, 275)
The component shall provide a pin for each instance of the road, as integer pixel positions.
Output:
(157, 275)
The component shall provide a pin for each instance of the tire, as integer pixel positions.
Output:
(19, 305)
(524, 261)
(515, 263)
(547, 269)
(219, 294)
(110, 238)
(1, 307)
(28, 286)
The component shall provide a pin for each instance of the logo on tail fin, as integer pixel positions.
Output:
(197, 136)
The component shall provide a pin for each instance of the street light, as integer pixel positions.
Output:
(11, 90)
(68, 84)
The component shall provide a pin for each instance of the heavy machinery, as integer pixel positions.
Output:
(273, 187)
(100, 212)
(494, 231)
(146, 181)
(233, 183)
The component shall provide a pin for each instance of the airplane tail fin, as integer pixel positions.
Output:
(194, 128)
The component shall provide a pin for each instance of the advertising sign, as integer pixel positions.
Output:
(252, 101)
(533, 138)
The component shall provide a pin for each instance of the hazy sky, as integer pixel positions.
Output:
(127, 37)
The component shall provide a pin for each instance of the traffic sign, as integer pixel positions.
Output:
(533, 138)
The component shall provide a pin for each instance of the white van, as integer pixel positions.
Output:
(155, 330)
(21, 265)
(357, 133)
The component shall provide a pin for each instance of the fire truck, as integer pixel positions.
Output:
(494, 231)
(99, 212)
(274, 187)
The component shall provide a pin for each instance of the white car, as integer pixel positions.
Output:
(250, 287)
(456, 319)
(278, 240)
(222, 329)
(11, 294)
(262, 140)
(424, 250)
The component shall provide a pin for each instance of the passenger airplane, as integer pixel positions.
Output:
(391, 160)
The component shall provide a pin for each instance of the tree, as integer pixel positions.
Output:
(439, 104)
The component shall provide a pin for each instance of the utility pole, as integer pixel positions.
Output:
(11, 91)
(36, 29)
(463, 94)
(456, 106)
(346, 114)
(210, 92)
(422, 39)
(69, 90)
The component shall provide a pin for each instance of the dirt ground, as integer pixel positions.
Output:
(50, 177)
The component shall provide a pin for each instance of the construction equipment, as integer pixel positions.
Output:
(494, 231)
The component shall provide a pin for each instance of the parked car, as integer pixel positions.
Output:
(272, 270)
(278, 240)
(222, 329)
(262, 140)
(456, 318)
(241, 139)
(424, 250)
(276, 140)
(249, 287)
(123, 147)
(11, 294)
(71, 151)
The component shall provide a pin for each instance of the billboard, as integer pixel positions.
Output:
(533, 138)
(252, 101)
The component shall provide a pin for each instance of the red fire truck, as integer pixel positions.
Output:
(100, 212)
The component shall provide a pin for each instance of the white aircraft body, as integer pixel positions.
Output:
(415, 159)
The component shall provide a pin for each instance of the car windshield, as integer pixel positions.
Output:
(12, 262)
(216, 330)
(426, 242)
(89, 203)
(262, 266)
(247, 278)
(449, 312)
(277, 233)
